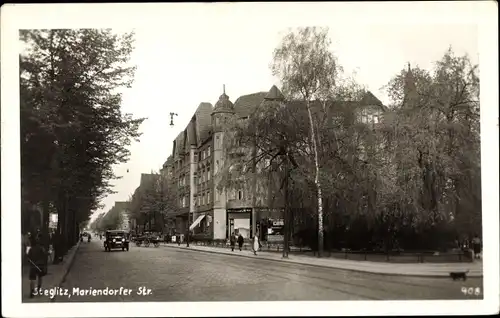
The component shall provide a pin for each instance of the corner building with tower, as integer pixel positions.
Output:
(198, 154)
(197, 157)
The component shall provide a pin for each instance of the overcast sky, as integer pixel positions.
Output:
(179, 67)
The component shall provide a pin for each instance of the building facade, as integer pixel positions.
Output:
(198, 155)
(123, 210)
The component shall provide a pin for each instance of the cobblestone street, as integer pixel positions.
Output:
(181, 275)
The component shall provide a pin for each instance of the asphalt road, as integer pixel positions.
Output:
(170, 274)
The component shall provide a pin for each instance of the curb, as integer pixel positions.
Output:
(324, 266)
(70, 261)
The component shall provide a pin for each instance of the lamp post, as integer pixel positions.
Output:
(172, 118)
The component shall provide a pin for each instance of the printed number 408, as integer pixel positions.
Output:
(471, 291)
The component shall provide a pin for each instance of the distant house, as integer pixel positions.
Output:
(122, 206)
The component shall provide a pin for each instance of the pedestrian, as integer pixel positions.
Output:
(255, 244)
(240, 241)
(37, 258)
(232, 241)
(476, 245)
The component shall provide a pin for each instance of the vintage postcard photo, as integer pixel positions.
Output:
(235, 159)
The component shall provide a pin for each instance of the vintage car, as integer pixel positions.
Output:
(116, 239)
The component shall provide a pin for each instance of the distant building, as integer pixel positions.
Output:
(123, 209)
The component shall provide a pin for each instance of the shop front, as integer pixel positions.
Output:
(239, 221)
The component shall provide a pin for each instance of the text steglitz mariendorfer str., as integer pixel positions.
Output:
(76, 291)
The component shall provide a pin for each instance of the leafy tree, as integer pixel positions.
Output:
(153, 200)
(307, 69)
(112, 220)
(72, 129)
(437, 131)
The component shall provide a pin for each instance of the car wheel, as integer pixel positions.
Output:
(123, 248)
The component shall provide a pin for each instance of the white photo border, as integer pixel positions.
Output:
(47, 16)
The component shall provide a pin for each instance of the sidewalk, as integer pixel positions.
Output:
(55, 276)
(415, 269)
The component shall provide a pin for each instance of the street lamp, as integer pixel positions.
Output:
(172, 118)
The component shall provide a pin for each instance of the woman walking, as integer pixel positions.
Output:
(232, 241)
(255, 244)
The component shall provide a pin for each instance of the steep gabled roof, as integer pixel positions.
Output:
(148, 178)
(274, 94)
(370, 99)
(121, 205)
(179, 145)
(168, 162)
(203, 122)
(245, 104)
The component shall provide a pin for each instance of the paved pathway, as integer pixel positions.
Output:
(173, 274)
(412, 269)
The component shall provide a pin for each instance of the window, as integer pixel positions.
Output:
(240, 195)
(217, 142)
(375, 119)
(208, 173)
(208, 197)
(216, 199)
(203, 199)
(217, 120)
(208, 151)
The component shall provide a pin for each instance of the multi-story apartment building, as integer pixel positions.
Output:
(197, 157)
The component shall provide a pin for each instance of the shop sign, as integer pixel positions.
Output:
(275, 238)
(240, 210)
(278, 222)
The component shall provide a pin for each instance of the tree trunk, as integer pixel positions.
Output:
(317, 182)
(45, 224)
(286, 229)
(61, 229)
(254, 188)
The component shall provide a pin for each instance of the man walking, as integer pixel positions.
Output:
(240, 241)
(37, 258)
(476, 246)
